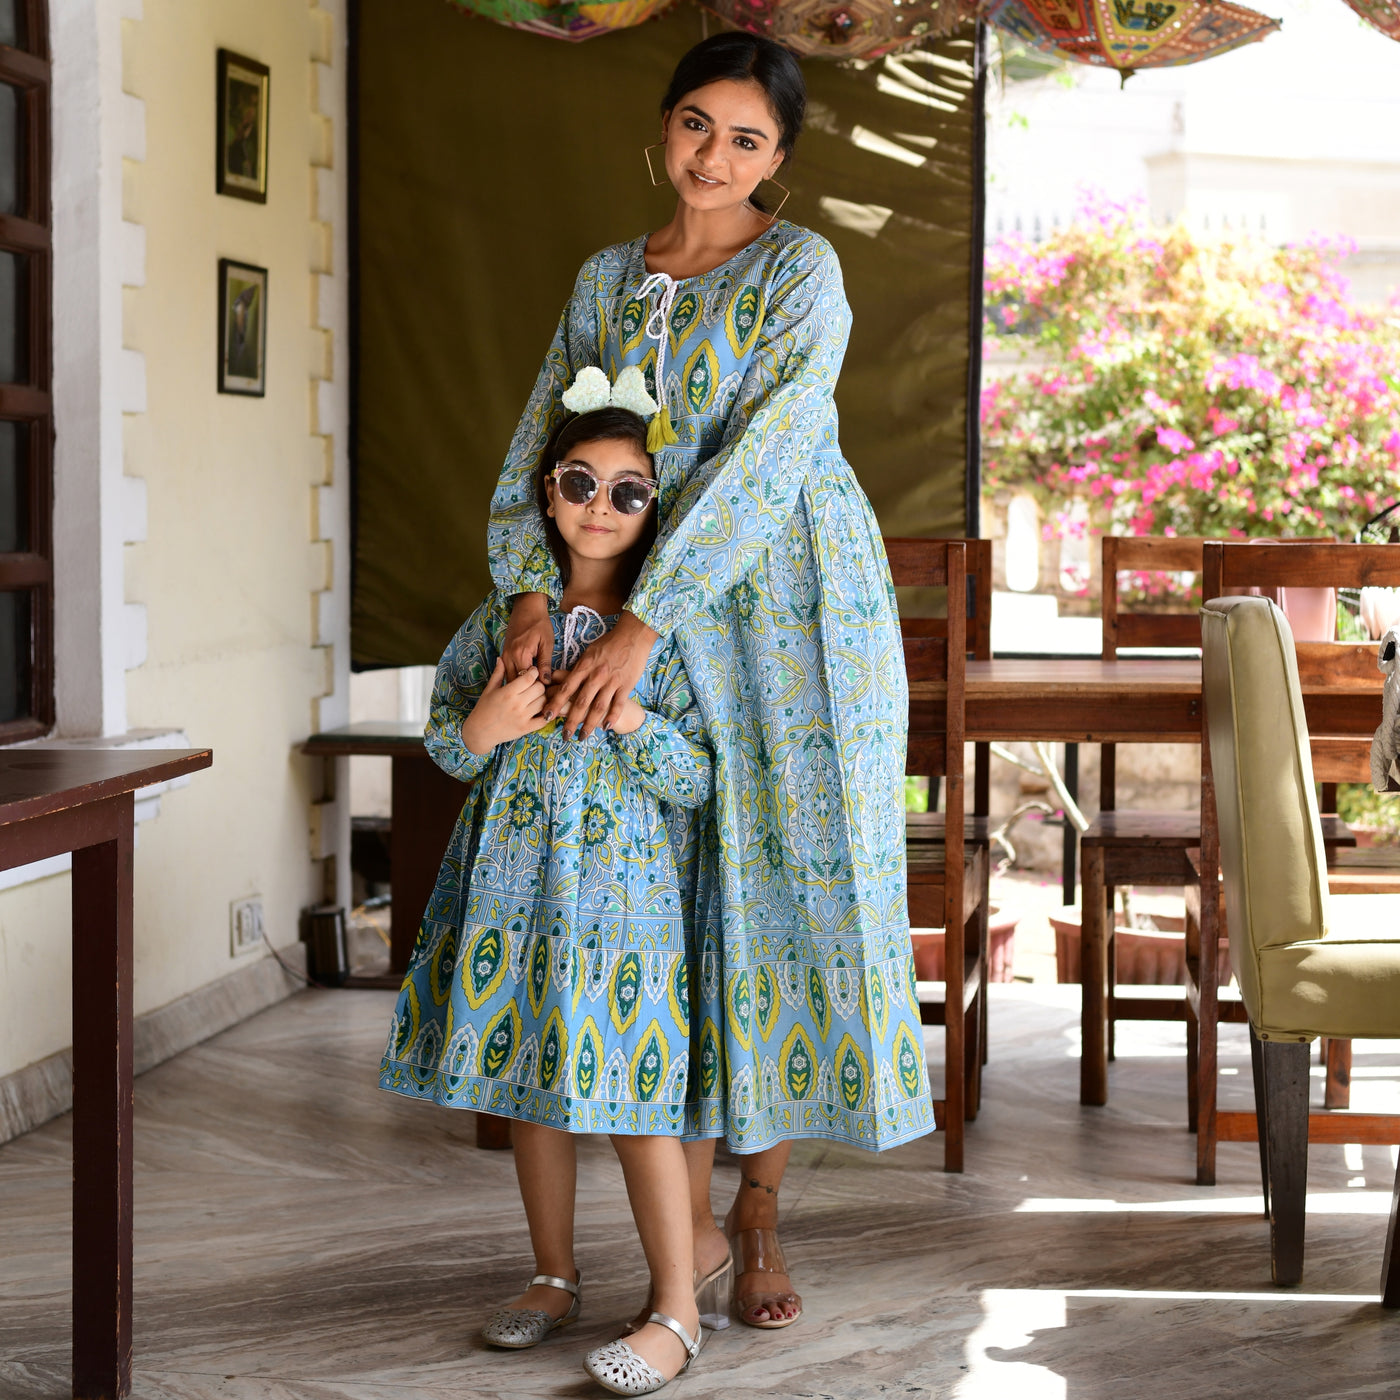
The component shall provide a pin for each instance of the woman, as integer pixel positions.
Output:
(770, 574)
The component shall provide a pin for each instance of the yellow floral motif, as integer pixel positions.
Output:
(701, 378)
(852, 1074)
(484, 967)
(650, 1063)
(499, 1042)
(799, 1062)
(554, 1049)
(524, 810)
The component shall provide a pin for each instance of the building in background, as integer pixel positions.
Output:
(1297, 135)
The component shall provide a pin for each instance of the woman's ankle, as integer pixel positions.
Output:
(755, 1208)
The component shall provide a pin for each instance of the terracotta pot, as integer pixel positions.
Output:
(1143, 958)
(1001, 944)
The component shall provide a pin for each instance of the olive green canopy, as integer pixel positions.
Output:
(491, 162)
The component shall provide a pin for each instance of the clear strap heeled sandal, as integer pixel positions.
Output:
(713, 1295)
(518, 1328)
(760, 1253)
(616, 1367)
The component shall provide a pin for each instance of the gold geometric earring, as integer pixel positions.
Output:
(768, 180)
(646, 151)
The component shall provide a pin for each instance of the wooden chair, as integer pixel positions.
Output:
(947, 879)
(1134, 847)
(904, 556)
(1341, 687)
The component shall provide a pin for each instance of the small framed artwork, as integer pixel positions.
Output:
(242, 328)
(242, 127)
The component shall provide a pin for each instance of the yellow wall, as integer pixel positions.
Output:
(230, 560)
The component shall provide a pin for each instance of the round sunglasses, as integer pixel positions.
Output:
(628, 495)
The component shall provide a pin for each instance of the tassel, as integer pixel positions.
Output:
(660, 433)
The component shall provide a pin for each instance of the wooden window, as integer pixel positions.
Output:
(26, 403)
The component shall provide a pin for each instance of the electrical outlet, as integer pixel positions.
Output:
(245, 925)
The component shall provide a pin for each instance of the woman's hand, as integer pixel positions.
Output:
(507, 710)
(529, 639)
(597, 688)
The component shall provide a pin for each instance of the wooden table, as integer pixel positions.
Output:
(52, 801)
(424, 805)
(1145, 701)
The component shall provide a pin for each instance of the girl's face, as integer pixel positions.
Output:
(595, 530)
(721, 142)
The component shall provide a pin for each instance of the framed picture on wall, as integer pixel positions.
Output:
(241, 170)
(242, 328)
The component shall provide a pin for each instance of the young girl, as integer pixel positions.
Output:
(554, 980)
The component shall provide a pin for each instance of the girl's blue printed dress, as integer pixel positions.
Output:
(555, 977)
(770, 575)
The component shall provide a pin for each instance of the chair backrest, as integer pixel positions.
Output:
(909, 562)
(1271, 849)
(1124, 626)
(1305, 564)
(907, 567)
(935, 653)
(937, 726)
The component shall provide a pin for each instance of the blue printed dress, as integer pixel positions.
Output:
(555, 977)
(770, 576)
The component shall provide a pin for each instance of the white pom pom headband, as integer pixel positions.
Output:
(591, 391)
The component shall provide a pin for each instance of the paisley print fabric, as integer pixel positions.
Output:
(770, 576)
(555, 977)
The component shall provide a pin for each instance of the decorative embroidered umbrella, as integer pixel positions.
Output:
(566, 19)
(844, 28)
(1382, 14)
(1132, 34)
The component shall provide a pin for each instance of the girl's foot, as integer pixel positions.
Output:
(544, 1297)
(548, 1304)
(762, 1288)
(651, 1358)
(711, 1252)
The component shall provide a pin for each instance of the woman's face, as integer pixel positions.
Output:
(595, 530)
(721, 142)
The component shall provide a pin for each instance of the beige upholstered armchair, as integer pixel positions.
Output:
(1300, 974)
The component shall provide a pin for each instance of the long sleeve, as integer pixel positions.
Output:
(670, 755)
(520, 557)
(462, 674)
(738, 504)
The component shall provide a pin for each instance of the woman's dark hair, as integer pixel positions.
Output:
(601, 425)
(740, 58)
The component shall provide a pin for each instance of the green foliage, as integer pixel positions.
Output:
(1359, 804)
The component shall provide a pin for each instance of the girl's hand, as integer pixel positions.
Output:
(529, 639)
(631, 718)
(506, 710)
(604, 677)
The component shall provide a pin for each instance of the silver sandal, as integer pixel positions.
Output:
(616, 1367)
(518, 1328)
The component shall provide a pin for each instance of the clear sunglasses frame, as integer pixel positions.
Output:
(649, 486)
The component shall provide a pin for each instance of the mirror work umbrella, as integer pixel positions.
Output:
(1381, 14)
(1130, 34)
(847, 28)
(570, 19)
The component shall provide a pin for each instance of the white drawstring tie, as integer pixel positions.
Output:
(660, 431)
(578, 632)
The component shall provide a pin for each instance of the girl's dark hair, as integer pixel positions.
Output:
(601, 425)
(743, 58)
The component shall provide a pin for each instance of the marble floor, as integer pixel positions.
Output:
(302, 1236)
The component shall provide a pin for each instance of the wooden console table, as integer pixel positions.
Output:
(53, 801)
(424, 805)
